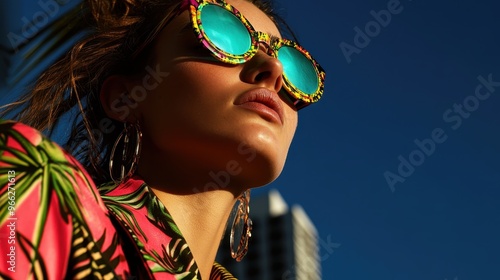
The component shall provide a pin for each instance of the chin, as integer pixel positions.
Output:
(261, 170)
(262, 158)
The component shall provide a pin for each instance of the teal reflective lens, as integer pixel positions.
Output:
(225, 30)
(298, 69)
(231, 39)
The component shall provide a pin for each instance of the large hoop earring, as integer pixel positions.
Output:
(129, 157)
(242, 227)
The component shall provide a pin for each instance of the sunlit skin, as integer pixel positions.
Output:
(193, 131)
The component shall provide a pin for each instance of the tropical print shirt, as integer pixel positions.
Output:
(55, 224)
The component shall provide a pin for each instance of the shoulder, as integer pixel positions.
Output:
(41, 163)
(51, 203)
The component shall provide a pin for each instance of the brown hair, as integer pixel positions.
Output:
(119, 29)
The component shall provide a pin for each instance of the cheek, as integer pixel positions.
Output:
(190, 99)
(292, 118)
(291, 126)
(188, 88)
(281, 150)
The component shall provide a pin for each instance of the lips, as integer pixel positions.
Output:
(264, 102)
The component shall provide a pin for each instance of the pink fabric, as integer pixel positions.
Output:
(62, 227)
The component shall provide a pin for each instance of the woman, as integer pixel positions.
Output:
(185, 118)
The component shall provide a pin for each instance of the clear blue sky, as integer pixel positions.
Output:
(443, 221)
(414, 79)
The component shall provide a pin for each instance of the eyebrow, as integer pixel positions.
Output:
(188, 27)
(274, 37)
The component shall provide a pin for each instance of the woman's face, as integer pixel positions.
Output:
(200, 117)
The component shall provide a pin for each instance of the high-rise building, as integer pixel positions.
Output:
(284, 243)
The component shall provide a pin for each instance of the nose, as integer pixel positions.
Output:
(263, 70)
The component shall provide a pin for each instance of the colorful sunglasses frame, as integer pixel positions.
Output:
(298, 98)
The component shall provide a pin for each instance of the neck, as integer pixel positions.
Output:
(201, 217)
(199, 198)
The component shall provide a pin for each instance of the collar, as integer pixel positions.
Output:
(155, 235)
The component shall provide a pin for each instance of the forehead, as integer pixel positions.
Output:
(180, 25)
(259, 20)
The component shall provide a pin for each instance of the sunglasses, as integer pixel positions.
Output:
(230, 38)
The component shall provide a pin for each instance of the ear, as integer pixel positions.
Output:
(115, 99)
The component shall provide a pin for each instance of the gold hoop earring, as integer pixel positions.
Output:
(242, 227)
(129, 157)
